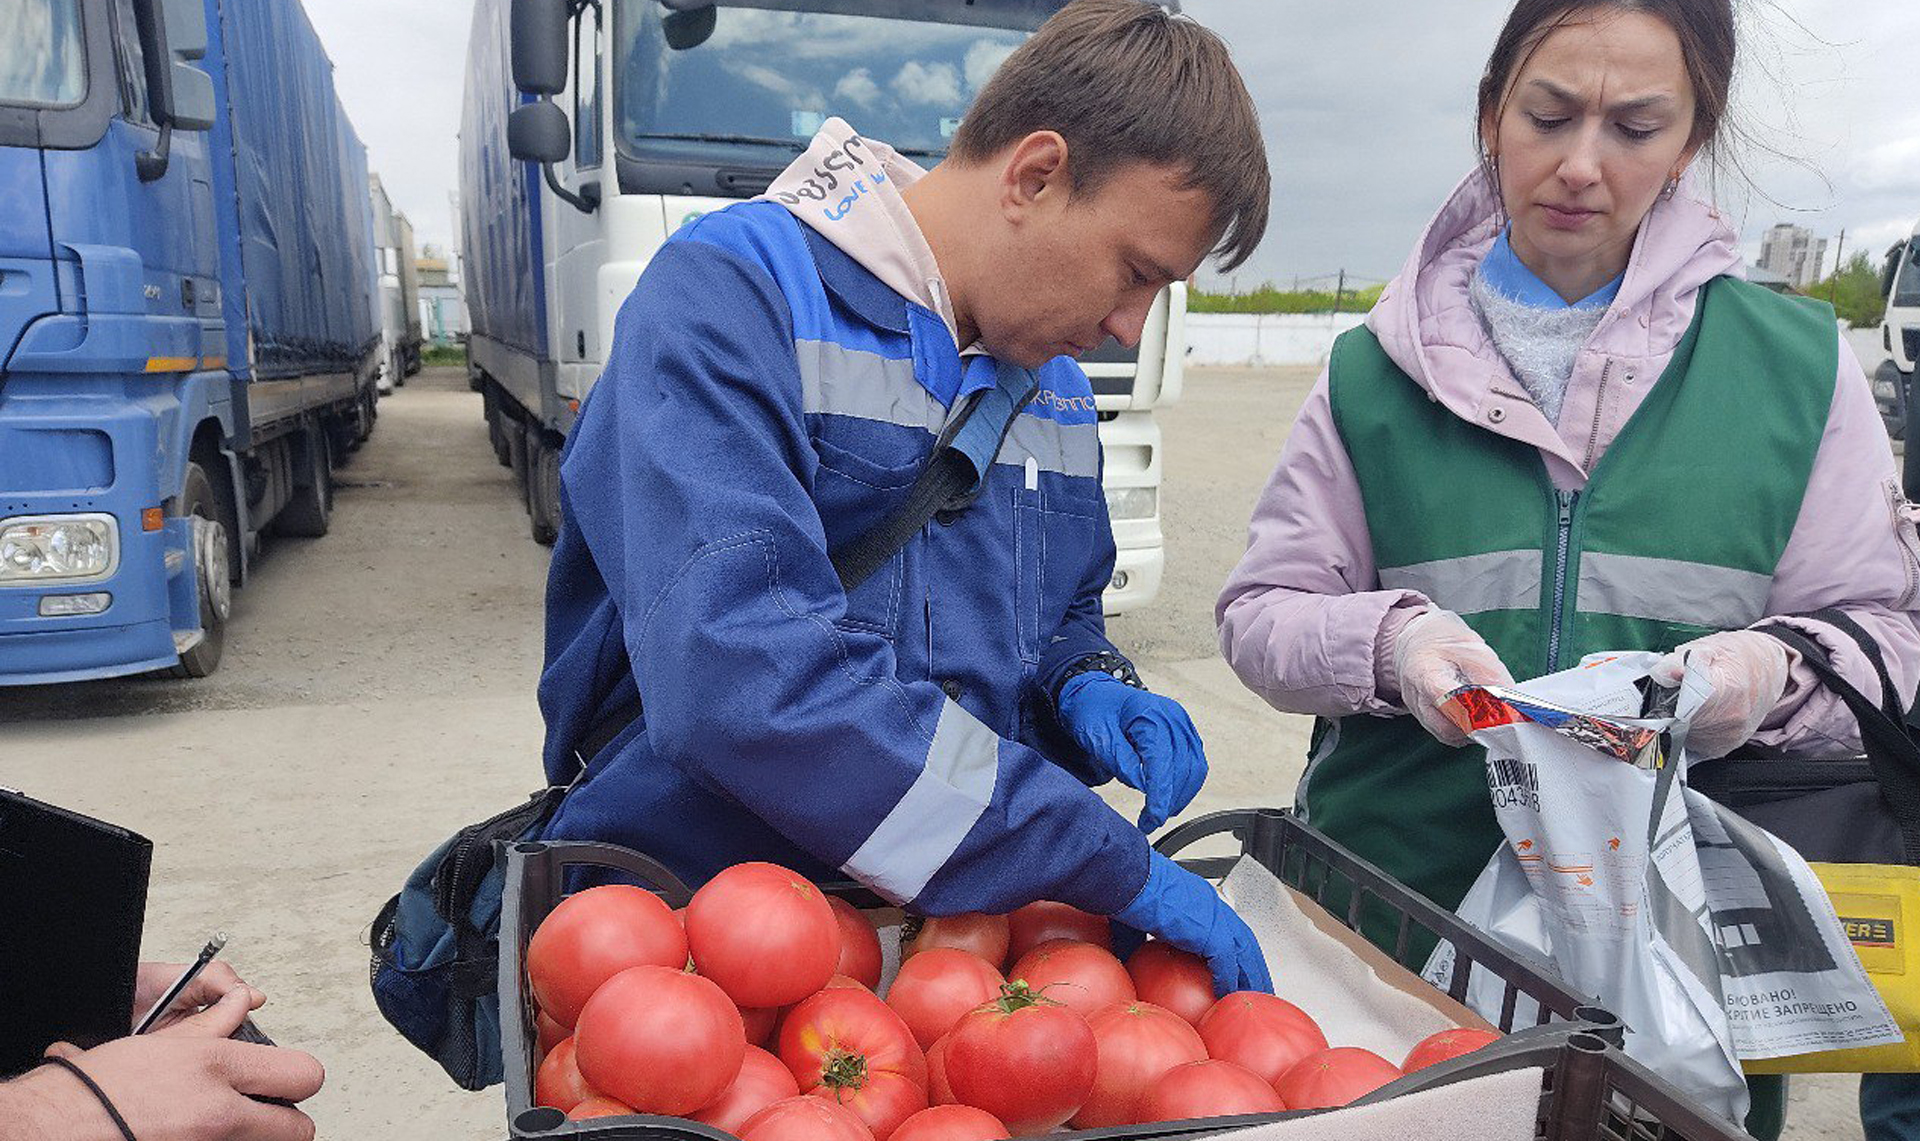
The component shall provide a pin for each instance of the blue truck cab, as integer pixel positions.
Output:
(187, 329)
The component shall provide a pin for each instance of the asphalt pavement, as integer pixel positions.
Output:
(378, 692)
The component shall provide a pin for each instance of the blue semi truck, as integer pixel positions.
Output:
(188, 323)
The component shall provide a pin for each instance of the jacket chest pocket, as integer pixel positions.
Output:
(854, 493)
(1054, 536)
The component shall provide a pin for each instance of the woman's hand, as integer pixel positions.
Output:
(1434, 655)
(1748, 670)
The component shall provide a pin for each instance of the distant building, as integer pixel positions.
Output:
(1775, 281)
(1793, 253)
(443, 312)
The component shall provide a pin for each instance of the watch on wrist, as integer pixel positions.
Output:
(1107, 662)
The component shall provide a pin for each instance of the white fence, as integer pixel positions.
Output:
(1256, 339)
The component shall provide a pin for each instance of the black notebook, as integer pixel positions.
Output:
(73, 898)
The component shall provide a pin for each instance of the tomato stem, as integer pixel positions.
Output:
(1017, 995)
(844, 1070)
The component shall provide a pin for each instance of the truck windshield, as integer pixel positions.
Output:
(772, 77)
(40, 60)
(1906, 287)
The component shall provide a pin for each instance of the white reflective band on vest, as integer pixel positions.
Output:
(1500, 580)
(1670, 590)
(927, 825)
(1631, 586)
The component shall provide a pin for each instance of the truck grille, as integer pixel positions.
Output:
(1910, 340)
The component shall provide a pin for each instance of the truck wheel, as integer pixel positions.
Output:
(497, 429)
(519, 440)
(543, 489)
(308, 513)
(212, 566)
(368, 413)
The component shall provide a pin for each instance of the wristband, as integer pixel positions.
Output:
(106, 1103)
(1107, 662)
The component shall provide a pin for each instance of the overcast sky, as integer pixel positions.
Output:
(1367, 106)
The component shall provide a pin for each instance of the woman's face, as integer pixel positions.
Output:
(1592, 128)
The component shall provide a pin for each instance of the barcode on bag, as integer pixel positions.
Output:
(1513, 782)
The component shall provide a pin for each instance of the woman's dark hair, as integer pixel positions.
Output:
(1705, 29)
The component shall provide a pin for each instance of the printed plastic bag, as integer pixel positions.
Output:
(1711, 939)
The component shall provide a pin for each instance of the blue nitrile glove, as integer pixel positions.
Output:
(1145, 741)
(1185, 910)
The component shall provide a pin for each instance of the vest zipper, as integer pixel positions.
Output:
(1562, 550)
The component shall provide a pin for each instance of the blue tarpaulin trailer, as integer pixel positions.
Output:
(191, 343)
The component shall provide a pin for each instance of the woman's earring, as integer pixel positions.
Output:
(1673, 187)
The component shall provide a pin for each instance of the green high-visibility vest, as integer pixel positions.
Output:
(1676, 535)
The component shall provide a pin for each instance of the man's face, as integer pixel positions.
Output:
(1073, 270)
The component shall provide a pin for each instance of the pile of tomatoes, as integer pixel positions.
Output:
(755, 1011)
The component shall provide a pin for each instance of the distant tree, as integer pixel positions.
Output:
(1855, 291)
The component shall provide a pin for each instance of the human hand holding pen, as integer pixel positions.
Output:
(183, 1081)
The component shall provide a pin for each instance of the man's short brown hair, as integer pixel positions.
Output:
(1126, 81)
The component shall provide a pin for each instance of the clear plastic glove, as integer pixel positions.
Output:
(1436, 654)
(1748, 670)
(1145, 741)
(1186, 911)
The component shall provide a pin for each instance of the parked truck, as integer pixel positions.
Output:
(186, 316)
(593, 129)
(399, 270)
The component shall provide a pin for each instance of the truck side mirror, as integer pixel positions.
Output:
(538, 132)
(539, 36)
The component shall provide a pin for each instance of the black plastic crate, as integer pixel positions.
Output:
(1573, 1041)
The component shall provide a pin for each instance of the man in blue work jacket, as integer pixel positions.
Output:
(781, 377)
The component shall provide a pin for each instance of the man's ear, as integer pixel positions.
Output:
(1034, 176)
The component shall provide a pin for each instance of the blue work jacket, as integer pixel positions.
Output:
(766, 400)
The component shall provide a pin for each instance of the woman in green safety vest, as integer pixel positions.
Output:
(1567, 427)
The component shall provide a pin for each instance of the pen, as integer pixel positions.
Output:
(207, 953)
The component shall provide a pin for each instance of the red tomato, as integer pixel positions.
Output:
(839, 982)
(594, 935)
(548, 1032)
(938, 1091)
(661, 1040)
(951, 1123)
(859, 944)
(763, 1080)
(759, 1022)
(1135, 1043)
(1178, 980)
(558, 1082)
(1042, 922)
(764, 934)
(1084, 977)
(847, 1046)
(1446, 1044)
(1207, 1089)
(1024, 1058)
(1263, 1033)
(804, 1119)
(984, 935)
(937, 986)
(1333, 1077)
(598, 1107)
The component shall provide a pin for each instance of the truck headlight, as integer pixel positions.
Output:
(1133, 502)
(58, 548)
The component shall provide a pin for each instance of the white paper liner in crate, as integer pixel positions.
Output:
(1499, 1107)
(1357, 994)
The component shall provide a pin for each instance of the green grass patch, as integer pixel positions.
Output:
(1267, 299)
